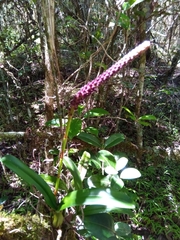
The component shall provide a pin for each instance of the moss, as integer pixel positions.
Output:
(17, 227)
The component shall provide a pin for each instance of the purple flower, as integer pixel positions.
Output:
(90, 87)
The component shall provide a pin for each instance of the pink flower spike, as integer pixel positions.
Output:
(90, 87)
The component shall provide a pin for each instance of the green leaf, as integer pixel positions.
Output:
(70, 165)
(136, 2)
(132, 116)
(106, 157)
(98, 181)
(148, 117)
(96, 196)
(102, 65)
(3, 199)
(30, 177)
(130, 173)
(54, 151)
(110, 170)
(124, 21)
(96, 163)
(53, 123)
(80, 109)
(122, 229)
(89, 210)
(75, 127)
(92, 130)
(116, 182)
(51, 180)
(83, 164)
(90, 139)
(121, 163)
(100, 225)
(96, 112)
(144, 123)
(113, 140)
(119, 155)
(126, 6)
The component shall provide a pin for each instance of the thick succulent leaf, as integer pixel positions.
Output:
(97, 196)
(100, 225)
(113, 140)
(30, 177)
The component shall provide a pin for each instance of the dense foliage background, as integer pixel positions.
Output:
(48, 51)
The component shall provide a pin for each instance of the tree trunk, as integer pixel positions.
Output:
(53, 79)
(140, 89)
(51, 63)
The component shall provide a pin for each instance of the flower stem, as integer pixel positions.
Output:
(63, 148)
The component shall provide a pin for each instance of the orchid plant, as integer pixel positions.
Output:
(93, 196)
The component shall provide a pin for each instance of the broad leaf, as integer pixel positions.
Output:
(116, 183)
(144, 123)
(92, 130)
(98, 181)
(106, 157)
(130, 173)
(118, 155)
(96, 196)
(51, 180)
(96, 163)
(113, 140)
(122, 229)
(89, 210)
(70, 165)
(100, 225)
(126, 6)
(148, 117)
(96, 112)
(124, 21)
(30, 177)
(121, 163)
(110, 170)
(83, 164)
(75, 127)
(90, 139)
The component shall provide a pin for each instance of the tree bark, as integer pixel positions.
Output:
(52, 72)
(141, 29)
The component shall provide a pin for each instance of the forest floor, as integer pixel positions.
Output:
(158, 190)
